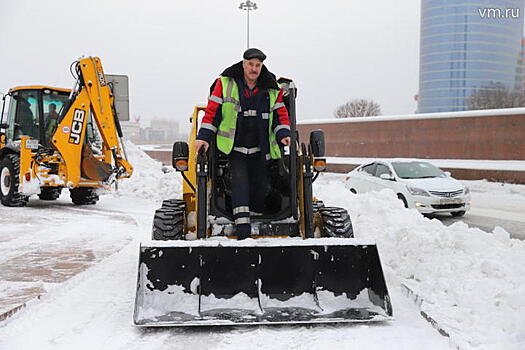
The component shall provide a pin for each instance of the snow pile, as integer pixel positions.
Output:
(29, 187)
(472, 282)
(150, 179)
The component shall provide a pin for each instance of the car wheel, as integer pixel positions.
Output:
(457, 214)
(402, 199)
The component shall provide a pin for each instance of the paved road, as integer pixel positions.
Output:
(486, 223)
(497, 207)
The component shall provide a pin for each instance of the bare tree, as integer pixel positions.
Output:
(357, 108)
(495, 96)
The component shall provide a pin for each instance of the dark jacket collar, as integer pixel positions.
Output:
(266, 79)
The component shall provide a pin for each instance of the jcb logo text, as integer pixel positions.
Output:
(77, 126)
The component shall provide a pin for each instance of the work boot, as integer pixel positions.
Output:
(243, 231)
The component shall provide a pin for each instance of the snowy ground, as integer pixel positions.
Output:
(494, 204)
(472, 282)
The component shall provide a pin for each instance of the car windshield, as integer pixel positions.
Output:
(416, 170)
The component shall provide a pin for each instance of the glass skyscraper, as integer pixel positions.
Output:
(467, 45)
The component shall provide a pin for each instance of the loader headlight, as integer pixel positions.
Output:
(181, 165)
(417, 191)
(320, 164)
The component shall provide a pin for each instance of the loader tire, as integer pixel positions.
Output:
(9, 180)
(336, 222)
(168, 224)
(49, 193)
(83, 195)
(174, 203)
(317, 205)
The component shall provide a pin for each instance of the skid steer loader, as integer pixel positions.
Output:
(56, 138)
(302, 265)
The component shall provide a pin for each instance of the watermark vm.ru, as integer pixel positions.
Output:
(497, 13)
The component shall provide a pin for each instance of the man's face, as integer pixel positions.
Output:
(252, 69)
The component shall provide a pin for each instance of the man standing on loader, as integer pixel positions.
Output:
(246, 113)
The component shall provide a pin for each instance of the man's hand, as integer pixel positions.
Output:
(286, 141)
(199, 144)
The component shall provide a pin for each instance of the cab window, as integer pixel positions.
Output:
(27, 114)
(53, 103)
(11, 118)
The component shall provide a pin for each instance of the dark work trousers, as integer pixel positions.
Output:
(249, 188)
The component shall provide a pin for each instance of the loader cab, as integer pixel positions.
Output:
(33, 111)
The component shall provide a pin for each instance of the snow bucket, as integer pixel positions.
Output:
(264, 281)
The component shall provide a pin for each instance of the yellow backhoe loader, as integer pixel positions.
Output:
(302, 264)
(54, 138)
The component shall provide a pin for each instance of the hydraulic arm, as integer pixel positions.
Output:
(92, 95)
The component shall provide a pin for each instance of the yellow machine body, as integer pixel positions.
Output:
(65, 157)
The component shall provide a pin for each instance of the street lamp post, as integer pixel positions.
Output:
(248, 6)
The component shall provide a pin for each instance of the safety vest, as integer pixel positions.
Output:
(231, 108)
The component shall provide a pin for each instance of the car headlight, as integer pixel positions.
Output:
(466, 190)
(417, 191)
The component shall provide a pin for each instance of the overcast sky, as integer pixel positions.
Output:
(173, 50)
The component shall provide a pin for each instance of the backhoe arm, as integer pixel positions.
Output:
(93, 94)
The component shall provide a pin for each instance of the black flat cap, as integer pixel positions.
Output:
(254, 53)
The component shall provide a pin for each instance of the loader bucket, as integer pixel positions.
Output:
(265, 281)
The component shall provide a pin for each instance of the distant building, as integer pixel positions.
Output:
(131, 130)
(467, 45)
(161, 130)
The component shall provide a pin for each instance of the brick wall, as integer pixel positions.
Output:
(482, 135)
(162, 156)
(491, 137)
